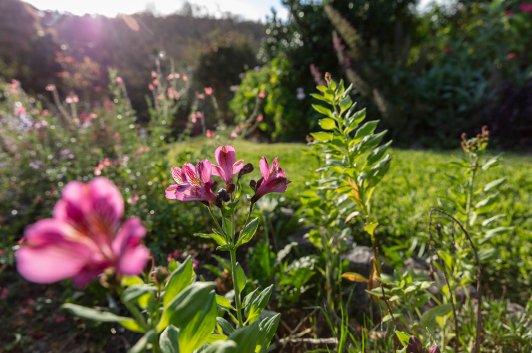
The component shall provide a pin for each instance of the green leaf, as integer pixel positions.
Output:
(375, 155)
(321, 98)
(142, 293)
(366, 130)
(225, 247)
(219, 239)
(428, 319)
(486, 254)
(132, 326)
(172, 266)
(327, 124)
(345, 104)
(240, 277)
(142, 343)
(356, 119)
(249, 231)
(223, 303)
(226, 346)
(322, 136)
(259, 303)
(267, 329)
(227, 226)
(229, 208)
(127, 281)
(186, 304)
(322, 110)
(370, 228)
(494, 184)
(181, 278)
(486, 205)
(403, 337)
(169, 340)
(246, 338)
(95, 315)
(322, 88)
(225, 325)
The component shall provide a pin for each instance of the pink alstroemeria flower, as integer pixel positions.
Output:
(84, 237)
(193, 184)
(273, 179)
(226, 157)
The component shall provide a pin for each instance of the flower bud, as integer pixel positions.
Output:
(214, 185)
(327, 77)
(149, 266)
(160, 275)
(248, 168)
(252, 184)
(259, 183)
(223, 195)
(230, 188)
(434, 349)
(414, 345)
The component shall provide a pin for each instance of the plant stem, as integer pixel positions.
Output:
(237, 290)
(133, 310)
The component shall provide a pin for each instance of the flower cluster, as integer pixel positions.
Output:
(196, 184)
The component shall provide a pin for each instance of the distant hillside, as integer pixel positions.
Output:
(39, 47)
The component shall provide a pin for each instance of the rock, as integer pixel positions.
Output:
(515, 309)
(298, 237)
(461, 293)
(417, 264)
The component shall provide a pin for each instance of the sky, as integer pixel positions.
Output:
(248, 9)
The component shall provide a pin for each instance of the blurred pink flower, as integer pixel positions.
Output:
(209, 133)
(510, 55)
(153, 74)
(119, 80)
(84, 238)
(262, 95)
(208, 91)
(68, 100)
(201, 96)
(45, 112)
(525, 7)
(155, 82)
(185, 78)
(195, 263)
(260, 118)
(509, 13)
(75, 98)
(93, 115)
(4, 293)
(21, 111)
(132, 200)
(83, 116)
(150, 86)
(448, 49)
(50, 87)
(170, 77)
(234, 134)
(199, 115)
(59, 318)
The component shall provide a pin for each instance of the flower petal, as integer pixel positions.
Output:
(226, 156)
(238, 166)
(204, 170)
(170, 192)
(189, 173)
(130, 253)
(52, 253)
(176, 174)
(264, 168)
(107, 200)
(218, 171)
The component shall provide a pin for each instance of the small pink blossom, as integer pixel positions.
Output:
(185, 78)
(195, 264)
(510, 55)
(153, 74)
(84, 238)
(448, 49)
(260, 118)
(273, 179)
(93, 115)
(59, 318)
(201, 96)
(21, 111)
(262, 95)
(170, 77)
(227, 164)
(68, 100)
(4, 293)
(119, 80)
(132, 200)
(75, 98)
(525, 7)
(209, 134)
(509, 13)
(45, 112)
(208, 91)
(155, 82)
(193, 184)
(50, 88)
(150, 86)
(199, 115)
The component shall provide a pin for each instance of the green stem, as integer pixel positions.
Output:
(134, 311)
(220, 229)
(474, 168)
(237, 290)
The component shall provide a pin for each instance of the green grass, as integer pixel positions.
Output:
(405, 196)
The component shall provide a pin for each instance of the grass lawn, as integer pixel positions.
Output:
(405, 196)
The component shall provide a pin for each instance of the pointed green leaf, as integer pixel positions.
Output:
(181, 278)
(249, 231)
(169, 340)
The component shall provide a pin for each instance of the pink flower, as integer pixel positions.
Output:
(262, 95)
(132, 200)
(93, 115)
(69, 100)
(59, 318)
(150, 86)
(199, 115)
(169, 77)
(155, 82)
(510, 55)
(234, 134)
(185, 78)
(208, 91)
(75, 99)
(45, 113)
(273, 179)
(260, 118)
(193, 184)
(119, 80)
(84, 238)
(525, 7)
(209, 134)
(201, 96)
(50, 88)
(153, 74)
(4, 294)
(195, 263)
(226, 157)
(448, 49)
(1, 252)
(509, 13)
